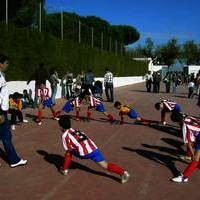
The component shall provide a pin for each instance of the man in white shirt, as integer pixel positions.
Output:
(5, 134)
(149, 81)
(108, 83)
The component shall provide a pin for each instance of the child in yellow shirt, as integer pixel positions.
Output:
(15, 109)
(127, 110)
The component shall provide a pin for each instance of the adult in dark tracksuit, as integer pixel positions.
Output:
(5, 133)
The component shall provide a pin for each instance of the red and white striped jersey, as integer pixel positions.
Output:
(76, 102)
(74, 140)
(190, 129)
(94, 101)
(44, 93)
(169, 105)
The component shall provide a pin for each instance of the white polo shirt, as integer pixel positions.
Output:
(4, 97)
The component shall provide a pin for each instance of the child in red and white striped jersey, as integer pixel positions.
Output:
(191, 136)
(44, 100)
(167, 106)
(93, 102)
(77, 143)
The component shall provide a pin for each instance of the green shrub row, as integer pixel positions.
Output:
(27, 48)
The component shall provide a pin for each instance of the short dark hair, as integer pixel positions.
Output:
(3, 58)
(106, 69)
(17, 95)
(64, 122)
(157, 106)
(117, 103)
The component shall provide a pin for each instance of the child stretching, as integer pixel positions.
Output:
(94, 103)
(167, 106)
(191, 135)
(189, 125)
(45, 101)
(15, 109)
(77, 143)
(127, 110)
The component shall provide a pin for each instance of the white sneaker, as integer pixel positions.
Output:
(13, 127)
(56, 118)
(25, 121)
(39, 123)
(64, 172)
(21, 162)
(125, 177)
(180, 179)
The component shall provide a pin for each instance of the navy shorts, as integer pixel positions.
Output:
(132, 114)
(100, 108)
(197, 146)
(68, 107)
(48, 103)
(177, 108)
(96, 156)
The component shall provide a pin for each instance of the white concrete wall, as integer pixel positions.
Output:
(193, 69)
(19, 86)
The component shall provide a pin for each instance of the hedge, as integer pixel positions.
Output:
(26, 48)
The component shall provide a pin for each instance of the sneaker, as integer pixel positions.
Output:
(125, 177)
(185, 158)
(180, 179)
(39, 123)
(25, 121)
(64, 172)
(21, 162)
(56, 118)
(13, 127)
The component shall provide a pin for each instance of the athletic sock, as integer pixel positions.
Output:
(77, 114)
(39, 116)
(116, 169)
(89, 114)
(67, 161)
(191, 167)
(110, 117)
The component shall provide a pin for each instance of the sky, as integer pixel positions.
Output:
(159, 19)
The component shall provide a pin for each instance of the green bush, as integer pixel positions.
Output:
(27, 48)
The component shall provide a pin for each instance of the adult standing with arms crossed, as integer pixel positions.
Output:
(108, 83)
(5, 133)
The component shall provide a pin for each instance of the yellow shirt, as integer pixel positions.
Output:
(15, 105)
(124, 110)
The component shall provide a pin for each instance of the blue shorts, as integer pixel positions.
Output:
(177, 108)
(68, 107)
(197, 146)
(132, 114)
(48, 103)
(96, 156)
(100, 108)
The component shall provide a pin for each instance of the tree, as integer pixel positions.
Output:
(149, 48)
(125, 34)
(21, 12)
(167, 54)
(190, 52)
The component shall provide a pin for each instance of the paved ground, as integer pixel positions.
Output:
(147, 152)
